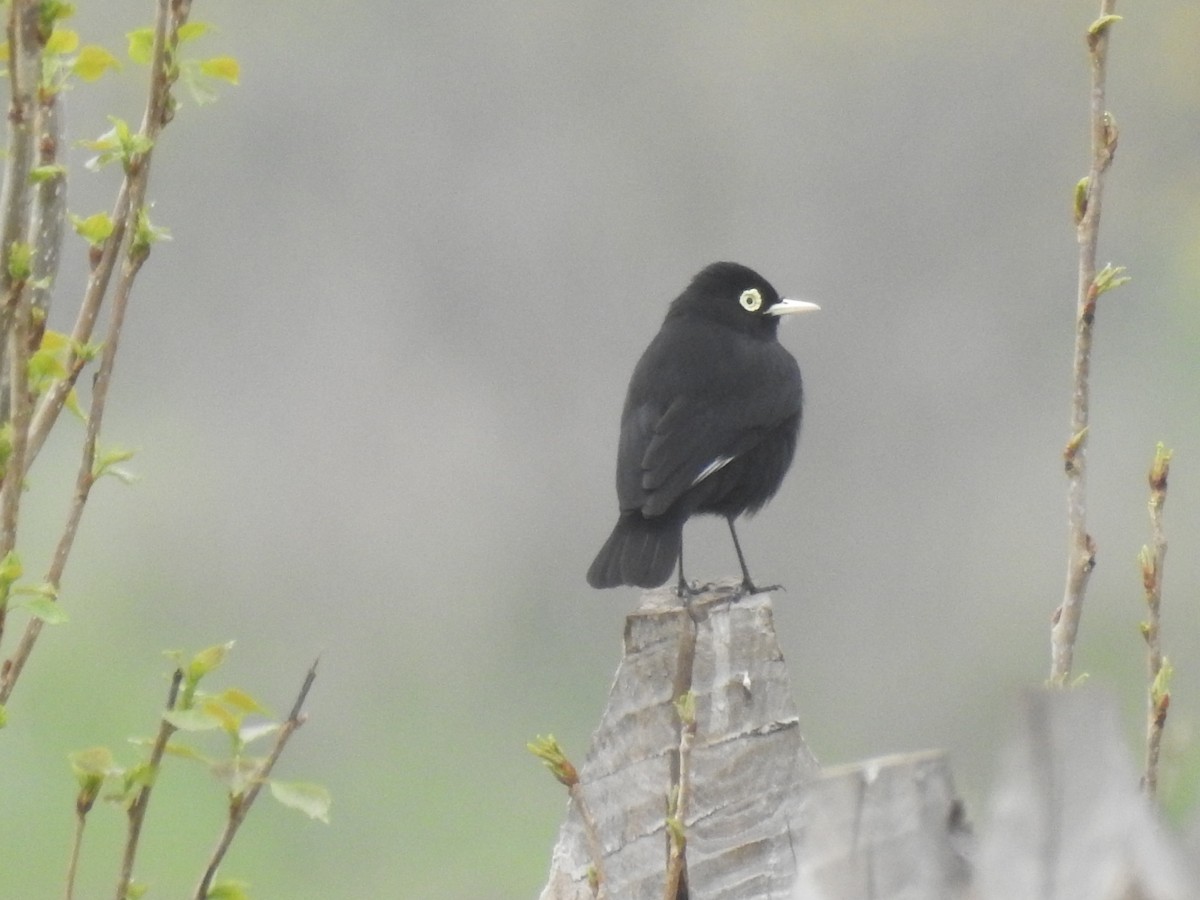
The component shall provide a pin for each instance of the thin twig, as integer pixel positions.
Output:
(591, 835)
(76, 846)
(25, 47)
(1158, 695)
(17, 352)
(685, 706)
(24, 67)
(49, 203)
(550, 752)
(239, 806)
(1081, 549)
(137, 810)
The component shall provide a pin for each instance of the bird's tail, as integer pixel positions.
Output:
(640, 552)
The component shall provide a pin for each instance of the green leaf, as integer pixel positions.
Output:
(89, 351)
(230, 721)
(108, 460)
(240, 700)
(197, 84)
(551, 753)
(678, 836)
(55, 340)
(1160, 468)
(184, 751)
(189, 31)
(44, 608)
(146, 233)
(133, 779)
(141, 45)
(229, 889)
(10, 568)
(685, 708)
(1081, 192)
(224, 68)
(40, 174)
(95, 229)
(20, 260)
(1162, 681)
(61, 41)
(107, 148)
(207, 660)
(51, 11)
(1108, 278)
(192, 720)
(118, 143)
(92, 768)
(1102, 24)
(93, 62)
(95, 762)
(45, 368)
(72, 404)
(311, 799)
(6, 445)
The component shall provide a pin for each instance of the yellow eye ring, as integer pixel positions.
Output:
(751, 300)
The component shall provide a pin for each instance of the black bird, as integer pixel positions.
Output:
(709, 426)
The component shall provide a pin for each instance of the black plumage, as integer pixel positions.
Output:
(709, 425)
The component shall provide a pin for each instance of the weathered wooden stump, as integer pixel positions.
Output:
(762, 820)
(1068, 820)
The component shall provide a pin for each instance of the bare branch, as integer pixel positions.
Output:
(25, 46)
(137, 810)
(49, 201)
(83, 805)
(24, 65)
(1081, 549)
(1158, 695)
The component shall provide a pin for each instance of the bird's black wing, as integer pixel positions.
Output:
(697, 400)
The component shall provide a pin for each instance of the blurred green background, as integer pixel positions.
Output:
(376, 377)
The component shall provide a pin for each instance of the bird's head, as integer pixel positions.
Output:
(737, 297)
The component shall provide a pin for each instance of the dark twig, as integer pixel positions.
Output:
(1081, 552)
(1158, 698)
(76, 847)
(239, 804)
(137, 809)
(550, 752)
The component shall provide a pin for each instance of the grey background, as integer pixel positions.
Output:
(376, 377)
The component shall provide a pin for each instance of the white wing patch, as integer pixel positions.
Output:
(716, 465)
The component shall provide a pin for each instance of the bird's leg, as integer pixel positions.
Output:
(682, 588)
(748, 586)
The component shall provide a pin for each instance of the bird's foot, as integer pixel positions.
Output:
(685, 591)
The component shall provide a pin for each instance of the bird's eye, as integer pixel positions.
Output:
(751, 300)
